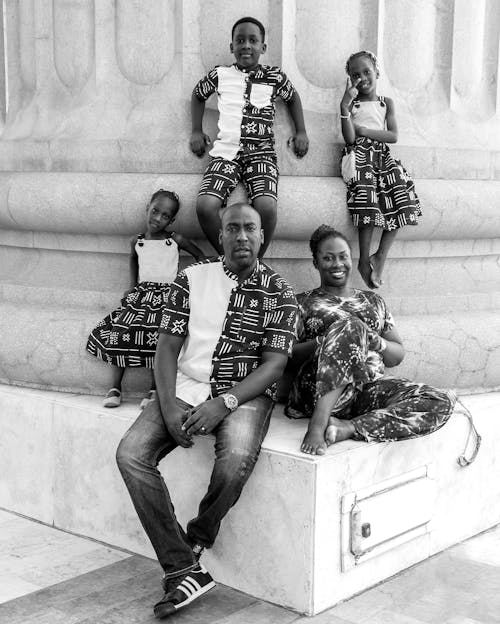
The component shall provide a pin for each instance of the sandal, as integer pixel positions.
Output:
(113, 398)
(148, 398)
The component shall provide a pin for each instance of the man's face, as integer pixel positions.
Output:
(241, 237)
(247, 45)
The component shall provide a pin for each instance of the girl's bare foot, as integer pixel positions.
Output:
(365, 269)
(338, 430)
(314, 441)
(377, 268)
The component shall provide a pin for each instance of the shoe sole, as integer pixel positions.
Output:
(166, 609)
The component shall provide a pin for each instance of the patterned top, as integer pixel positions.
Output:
(370, 114)
(246, 107)
(318, 309)
(158, 259)
(227, 325)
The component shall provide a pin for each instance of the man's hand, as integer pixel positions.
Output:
(203, 418)
(300, 144)
(174, 419)
(199, 141)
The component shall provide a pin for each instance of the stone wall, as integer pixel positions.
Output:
(95, 117)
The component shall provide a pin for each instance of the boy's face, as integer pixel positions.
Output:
(247, 45)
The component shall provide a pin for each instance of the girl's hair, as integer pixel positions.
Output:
(170, 195)
(367, 53)
(322, 233)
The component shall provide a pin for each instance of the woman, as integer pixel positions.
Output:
(347, 337)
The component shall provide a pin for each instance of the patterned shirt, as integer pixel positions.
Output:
(246, 107)
(227, 325)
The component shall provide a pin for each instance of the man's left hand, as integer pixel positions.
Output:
(205, 417)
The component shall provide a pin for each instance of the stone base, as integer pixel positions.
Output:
(307, 532)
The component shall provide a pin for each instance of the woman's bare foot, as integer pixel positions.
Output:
(338, 430)
(365, 268)
(376, 273)
(314, 441)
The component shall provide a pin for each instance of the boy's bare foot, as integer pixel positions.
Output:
(314, 441)
(338, 430)
(377, 268)
(366, 270)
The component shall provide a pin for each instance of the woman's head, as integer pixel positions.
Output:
(331, 253)
(162, 210)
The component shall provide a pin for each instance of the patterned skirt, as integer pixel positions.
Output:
(381, 193)
(128, 336)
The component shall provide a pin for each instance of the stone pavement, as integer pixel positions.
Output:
(51, 577)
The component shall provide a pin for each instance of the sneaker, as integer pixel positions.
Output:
(169, 584)
(189, 587)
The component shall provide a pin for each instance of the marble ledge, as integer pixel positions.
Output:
(134, 156)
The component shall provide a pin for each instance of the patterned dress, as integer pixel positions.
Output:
(129, 335)
(381, 408)
(381, 193)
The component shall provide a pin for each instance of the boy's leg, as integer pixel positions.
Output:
(238, 439)
(220, 178)
(138, 454)
(397, 409)
(260, 176)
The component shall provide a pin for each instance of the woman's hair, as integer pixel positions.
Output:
(366, 53)
(322, 233)
(170, 195)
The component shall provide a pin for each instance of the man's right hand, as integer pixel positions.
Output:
(174, 418)
(199, 141)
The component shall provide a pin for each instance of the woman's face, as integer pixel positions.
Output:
(333, 261)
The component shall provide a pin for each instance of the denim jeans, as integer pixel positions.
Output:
(238, 438)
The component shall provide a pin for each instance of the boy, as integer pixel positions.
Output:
(244, 149)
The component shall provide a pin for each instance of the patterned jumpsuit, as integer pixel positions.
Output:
(380, 408)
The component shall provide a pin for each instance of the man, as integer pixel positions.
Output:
(225, 337)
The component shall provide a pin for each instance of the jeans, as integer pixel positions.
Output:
(238, 438)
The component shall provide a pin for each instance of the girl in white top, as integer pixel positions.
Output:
(127, 337)
(380, 193)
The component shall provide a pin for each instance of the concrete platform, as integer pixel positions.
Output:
(318, 529)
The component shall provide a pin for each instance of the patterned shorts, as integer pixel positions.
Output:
(259, 174)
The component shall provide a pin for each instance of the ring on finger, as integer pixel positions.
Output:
(202, 429)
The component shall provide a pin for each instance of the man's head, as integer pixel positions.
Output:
(241, 237)
(248, 42)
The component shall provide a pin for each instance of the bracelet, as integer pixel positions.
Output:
(345, 116)
(318, 341)
(383, 345)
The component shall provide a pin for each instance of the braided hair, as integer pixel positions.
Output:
(369, 55)
(170, 195)
(320, 234)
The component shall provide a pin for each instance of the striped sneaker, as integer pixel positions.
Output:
(189, 587)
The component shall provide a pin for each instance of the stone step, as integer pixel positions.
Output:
(297, 515)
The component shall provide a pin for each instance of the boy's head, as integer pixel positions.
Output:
(248, 42)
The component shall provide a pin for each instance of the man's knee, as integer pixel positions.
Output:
(237, 464)
(125, 455)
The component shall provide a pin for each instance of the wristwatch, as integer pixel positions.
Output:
(230, 401)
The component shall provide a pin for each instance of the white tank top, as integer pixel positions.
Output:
(158, 259)
(370, 114)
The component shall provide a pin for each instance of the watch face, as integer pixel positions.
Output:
(230, 401)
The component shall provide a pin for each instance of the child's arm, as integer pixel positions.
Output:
(189, 246)
(199, 140)
(300, 139)
(133, 264)
(350, 93)
(384, 136)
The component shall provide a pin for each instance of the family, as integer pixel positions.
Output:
(220, 334)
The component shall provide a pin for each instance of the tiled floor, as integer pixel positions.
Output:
(51, 577)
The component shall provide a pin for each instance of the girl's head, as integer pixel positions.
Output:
(161, 211)
(362, 68)
(331, 253)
